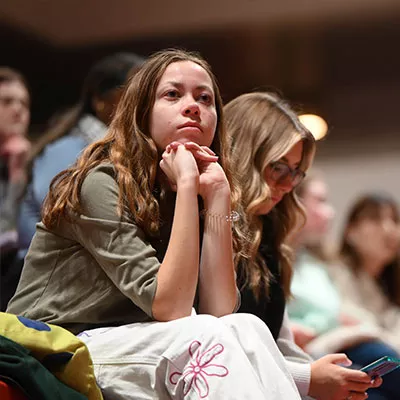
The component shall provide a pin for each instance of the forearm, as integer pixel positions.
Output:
(217, 281)
(298, 362)
(301, 374)
(178, 273)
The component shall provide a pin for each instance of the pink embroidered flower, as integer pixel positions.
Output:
(196, 373)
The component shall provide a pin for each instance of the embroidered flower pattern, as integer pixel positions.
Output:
(200, 367)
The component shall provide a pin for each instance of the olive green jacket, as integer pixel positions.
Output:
(99, 270)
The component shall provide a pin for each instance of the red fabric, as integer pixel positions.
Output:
(8, 392)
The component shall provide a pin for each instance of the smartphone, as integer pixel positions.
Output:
(382, 366)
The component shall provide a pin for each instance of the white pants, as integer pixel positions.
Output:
(198, 357)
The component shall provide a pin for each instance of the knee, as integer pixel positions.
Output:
(246, 322)
(382, 349)
(243, 320)
(205, 331)
(206, 323)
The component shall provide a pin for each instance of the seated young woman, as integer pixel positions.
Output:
(271, 151)
(369, 271)
(122, 258)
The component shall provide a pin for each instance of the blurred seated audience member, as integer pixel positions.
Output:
(370, 253)
(14, 153)
(322, 322)
(72, 131)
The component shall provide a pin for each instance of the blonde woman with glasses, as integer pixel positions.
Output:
(272, 151)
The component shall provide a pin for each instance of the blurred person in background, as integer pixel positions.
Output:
(271, 151)
(72, 131)
(321, 321)
(370, 256)
(14, 154)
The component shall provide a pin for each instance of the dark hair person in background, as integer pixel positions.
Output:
(371, 250)
(369, 276)
(72, 131)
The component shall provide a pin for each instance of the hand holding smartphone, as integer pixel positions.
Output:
(382, 366)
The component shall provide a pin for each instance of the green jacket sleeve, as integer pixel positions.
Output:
(118, 245)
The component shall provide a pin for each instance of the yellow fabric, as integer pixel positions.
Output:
(45, 339)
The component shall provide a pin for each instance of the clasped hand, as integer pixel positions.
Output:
(16, 150)
(190, 163)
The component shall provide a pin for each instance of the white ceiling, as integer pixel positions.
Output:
(88, 22)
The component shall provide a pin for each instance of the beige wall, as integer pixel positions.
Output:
(353, 168)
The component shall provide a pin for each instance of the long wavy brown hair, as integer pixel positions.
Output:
(129, 147)
(262, 128)
(370, 207)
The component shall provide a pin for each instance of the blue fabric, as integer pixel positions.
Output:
(38, 325)
(364, 354)
(56, 157)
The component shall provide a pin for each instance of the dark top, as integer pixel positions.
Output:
(269, 309)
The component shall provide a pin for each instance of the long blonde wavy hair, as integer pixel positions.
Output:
(129, 147)
(262, 128)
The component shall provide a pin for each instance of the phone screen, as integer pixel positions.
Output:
(382, 366)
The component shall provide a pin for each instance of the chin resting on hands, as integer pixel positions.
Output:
(212, 177)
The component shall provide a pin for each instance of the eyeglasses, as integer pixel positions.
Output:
(279, 172)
